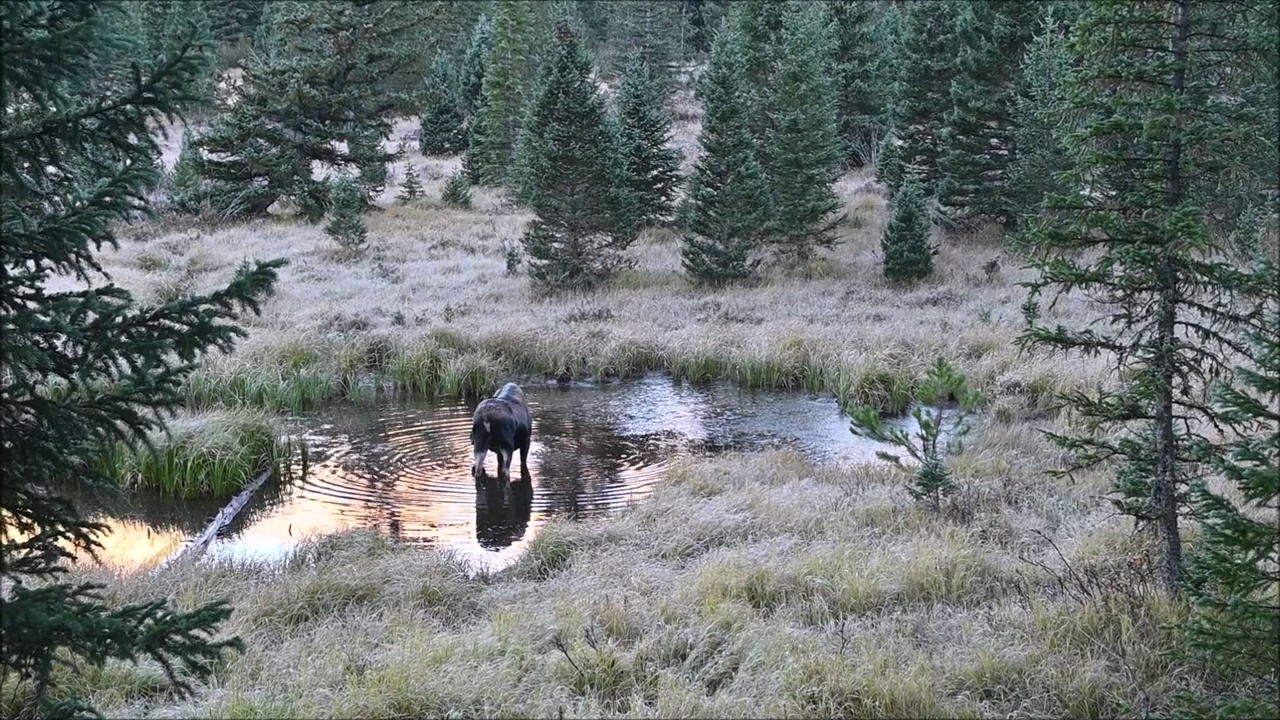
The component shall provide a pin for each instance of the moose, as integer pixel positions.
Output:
(502, 424)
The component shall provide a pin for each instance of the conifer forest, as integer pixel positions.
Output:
(1008, 272)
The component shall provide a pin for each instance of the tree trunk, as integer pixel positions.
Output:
(1165, 483)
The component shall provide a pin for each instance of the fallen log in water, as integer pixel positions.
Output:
(224, 517)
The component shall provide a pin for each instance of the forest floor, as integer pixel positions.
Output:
(749, 585)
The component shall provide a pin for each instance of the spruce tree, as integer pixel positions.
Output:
(1232, 574)
(312, 92)
(583, 224)
(1041, 122)
(802, 144)
(977, 145)
(509, 72)
(728, 208)
(346, 224)
(441, 122)
(411, 189)
(889, 34)
(928, 58)
(168, 22)
(860, 90)
(471, 75)
(1160, 130)
(457, 191)
(889, 168)
(652, 166)
(118, 366)
(908, 255)
(651, 29)
(187, 186)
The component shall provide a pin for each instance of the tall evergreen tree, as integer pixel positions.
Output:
(168, 22)
(1232, 576)
(471, 74)
(759, 22)
(860, 89)
(310, 90)
(507, 84)
(928, 59)
(1161, 128)
(441, 128)
(576, 187)
(118, 366)
(977, 140)
(728, 208)
(1041, 121)
(653, 29)
(652, 166)
(803, 144)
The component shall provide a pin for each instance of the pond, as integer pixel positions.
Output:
(404, 469)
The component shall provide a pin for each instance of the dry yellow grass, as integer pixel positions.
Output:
(753, 586)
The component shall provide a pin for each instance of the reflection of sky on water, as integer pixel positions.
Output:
(404, 468)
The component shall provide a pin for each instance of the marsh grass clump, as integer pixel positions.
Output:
(201, 456)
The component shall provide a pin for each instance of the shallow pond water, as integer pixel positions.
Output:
(403, 468)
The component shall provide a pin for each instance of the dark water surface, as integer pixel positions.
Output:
(403, 468)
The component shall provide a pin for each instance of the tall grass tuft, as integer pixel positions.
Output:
(201, 456)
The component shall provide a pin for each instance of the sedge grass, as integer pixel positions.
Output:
(207, 455)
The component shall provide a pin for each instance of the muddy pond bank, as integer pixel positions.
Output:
(403, 468)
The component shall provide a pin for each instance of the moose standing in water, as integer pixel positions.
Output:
(502, 423)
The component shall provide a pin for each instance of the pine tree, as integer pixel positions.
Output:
(1040, 118)
(1160, 130)
(412, 187)
(118, 366)
(859, 88)
(928, 58)
(803, 144)
(508, 79)
(728, 208)
(167, 22)
(977, 145)
(457, 191)
(578, 192)
(441, 123)
(471, 75)
(346, 224)
(1232, 576)
(889, 34)
(908, 256)
(652, 29)
(188, 186)
(312, 89)
(759, 22)
(889, 168)
(652, 167)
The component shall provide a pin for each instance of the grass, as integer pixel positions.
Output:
(201, 455)
(772, 597)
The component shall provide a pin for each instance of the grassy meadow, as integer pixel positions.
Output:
(747, 585)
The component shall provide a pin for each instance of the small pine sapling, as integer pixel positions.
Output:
(346, 223)
(889, 162)
(457, 191)
(412, 187)
(908, 256)
(940, 429)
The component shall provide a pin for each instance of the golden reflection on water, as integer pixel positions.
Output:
(405, 469)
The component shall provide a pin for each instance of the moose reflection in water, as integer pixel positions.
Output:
(405, 469)
(502, 510)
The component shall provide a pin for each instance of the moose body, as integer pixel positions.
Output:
(502, 424)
